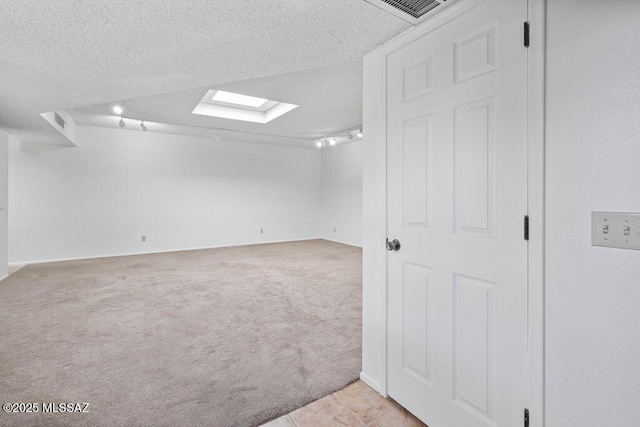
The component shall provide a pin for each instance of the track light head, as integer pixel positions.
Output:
(319, 144)
(360, 133)
(143, 127)
(121, 123)
(349, 135)
(118, 109)
(332, 141)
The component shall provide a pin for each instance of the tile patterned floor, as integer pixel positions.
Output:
(357, 405)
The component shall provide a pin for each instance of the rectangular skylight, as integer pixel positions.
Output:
(237, 99)
(228, 105)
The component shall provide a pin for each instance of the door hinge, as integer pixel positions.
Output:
(526, 227)
(526, 418)
(526, 34)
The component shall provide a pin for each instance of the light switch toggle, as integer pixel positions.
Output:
(615, 230)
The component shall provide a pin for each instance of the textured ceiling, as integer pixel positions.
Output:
(66, 54)
(329, 99)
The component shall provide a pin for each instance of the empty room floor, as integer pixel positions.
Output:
(224, 337)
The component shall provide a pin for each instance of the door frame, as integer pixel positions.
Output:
(376, 256)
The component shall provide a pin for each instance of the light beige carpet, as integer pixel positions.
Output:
(220, 337)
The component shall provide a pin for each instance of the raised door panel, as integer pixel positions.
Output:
(416, 323)
(417, 79)
(474, 151)
(476, 54)
(474, 371)
(417, 172)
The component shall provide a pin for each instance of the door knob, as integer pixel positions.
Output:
(393, 245)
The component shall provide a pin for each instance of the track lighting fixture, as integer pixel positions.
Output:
(118, 109)
(343, 136)
(123, 124)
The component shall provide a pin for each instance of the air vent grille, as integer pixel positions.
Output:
(59, 120)
(415, 8)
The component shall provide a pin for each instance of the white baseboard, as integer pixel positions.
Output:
(370, 382)
(341, 242)
(4, 277)
(15, 264)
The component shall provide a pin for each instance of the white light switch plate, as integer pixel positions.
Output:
(615, 230)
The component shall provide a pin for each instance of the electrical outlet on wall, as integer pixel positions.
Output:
(143, 238)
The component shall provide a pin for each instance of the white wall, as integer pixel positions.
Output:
(4, 213)
(593, 163)
(99, 198)
(374, 183)
(342, 193)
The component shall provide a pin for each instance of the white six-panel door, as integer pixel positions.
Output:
(457, 196)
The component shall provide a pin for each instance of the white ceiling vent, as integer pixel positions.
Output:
(59, 120)
(412, 11)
